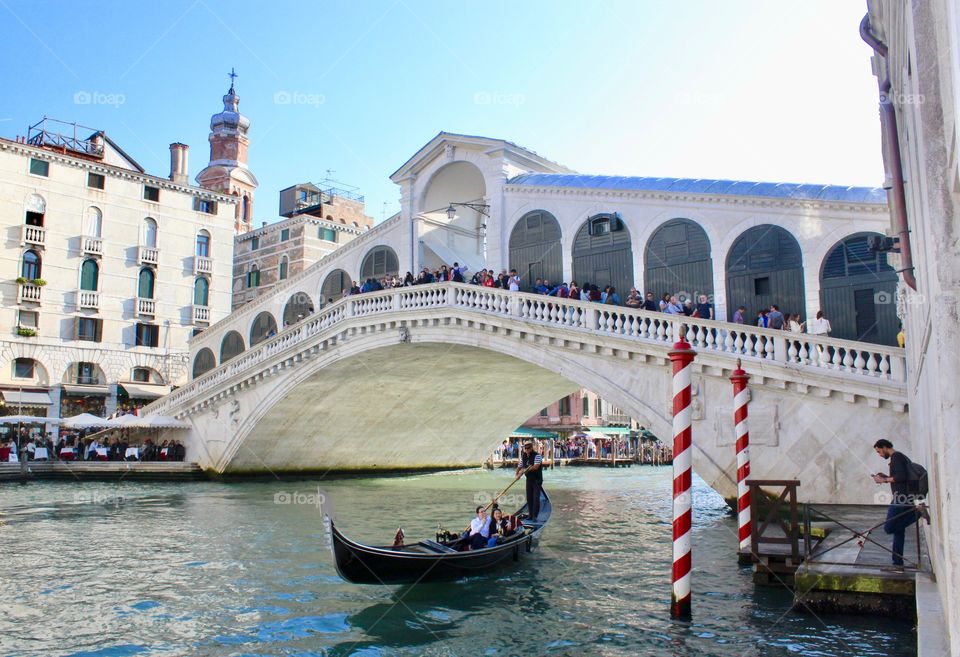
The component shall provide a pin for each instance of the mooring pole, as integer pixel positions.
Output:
(682, 357)
(741, 399)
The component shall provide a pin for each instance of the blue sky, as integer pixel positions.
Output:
(771, 91)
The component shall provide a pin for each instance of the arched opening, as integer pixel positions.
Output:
(858, 292)
(245, 209)
(457, 185)
(232, 345)
(603, 254)
(146, 375)
(203, 244)
(263, 327)
(284, 266)
(203, 362)
(89, 275)
(380, 261)
(677, 260)
(535, 248)
(35, 210)
(201, 291)
(764, 267)
(93, 222)
(334, 286)
(31, 267)
(29, 368)
(149, 233)
(298, 306)
(145, 283)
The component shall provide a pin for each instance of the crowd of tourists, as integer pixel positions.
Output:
(87, 446)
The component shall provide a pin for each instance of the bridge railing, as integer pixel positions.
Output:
(865, 362)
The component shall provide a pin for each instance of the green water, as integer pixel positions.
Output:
(245, 569)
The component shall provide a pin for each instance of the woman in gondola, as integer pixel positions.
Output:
(499, 527)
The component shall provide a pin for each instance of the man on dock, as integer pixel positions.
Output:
(531, 465)
(903, 510)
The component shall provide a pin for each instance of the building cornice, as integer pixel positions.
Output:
(717, 199)
(113, 171)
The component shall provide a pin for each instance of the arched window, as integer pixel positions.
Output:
(201, 291)
(253, 276)
(603, 254)
(380, 261)
(283, 268)
(263, 327)
(334, 285)
(298, 306)
(93, 222)
(145, 283)
(31, 265)
(89, 275)
(678, 261)
(535, 250)
(149, 233)
(231, 346)
(203, 244)
(203, 362)
(764, 267)
(35, 210)
(245, 209)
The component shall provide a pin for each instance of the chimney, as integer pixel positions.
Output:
(178, 163)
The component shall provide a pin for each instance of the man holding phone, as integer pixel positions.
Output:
(903, 510)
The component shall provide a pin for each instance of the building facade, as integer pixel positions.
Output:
(109, 271)
(316, 222)
(917, 65)
(581, 411)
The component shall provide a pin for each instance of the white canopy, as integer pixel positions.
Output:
(28, 419)
(148, 422)
(85, 421)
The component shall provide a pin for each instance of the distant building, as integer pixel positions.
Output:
(582, 412)
(108, 270)
(318, 220)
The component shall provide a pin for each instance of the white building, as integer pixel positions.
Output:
(108, 270)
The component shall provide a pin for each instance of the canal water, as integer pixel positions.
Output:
(244, 569)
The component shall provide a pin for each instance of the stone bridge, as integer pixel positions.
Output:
(435, 376)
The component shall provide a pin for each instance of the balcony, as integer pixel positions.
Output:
(146, 307)
(91, 245)
(28, 293)
(201, 314)
(34, 235)
(88, 299)
(202, 265)
(148, 255)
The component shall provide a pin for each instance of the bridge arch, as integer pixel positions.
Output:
(378, 262)
(536, 249)
(263, 326)
(765, 266)
(298, 306)
(456, 182)
(603, 253)
(858, 291)
(678, 259)
(333, 286)
(203, 362)
(231, 346)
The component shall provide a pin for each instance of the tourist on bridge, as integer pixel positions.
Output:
(775, 318)
(704, 308)
(531, 465)
(820, 325)
(513, 282)
(650, 303)
(633, 299)
(738, 315)
(673, 306)
(903, 510)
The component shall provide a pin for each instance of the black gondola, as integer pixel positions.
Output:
(430, 561)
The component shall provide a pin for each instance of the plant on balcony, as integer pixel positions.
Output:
(26, 332)
(39, 282)
(21, 280)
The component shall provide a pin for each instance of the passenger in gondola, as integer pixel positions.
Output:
(500, 528)
(479, 529)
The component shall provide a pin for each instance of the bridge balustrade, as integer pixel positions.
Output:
(800, 351)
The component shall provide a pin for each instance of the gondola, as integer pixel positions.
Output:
(431, 561)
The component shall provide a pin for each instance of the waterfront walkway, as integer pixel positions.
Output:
(102, 470)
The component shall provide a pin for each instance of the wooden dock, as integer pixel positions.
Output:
(836, 558)
(101, 471)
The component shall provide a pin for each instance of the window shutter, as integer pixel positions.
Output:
(98, 328)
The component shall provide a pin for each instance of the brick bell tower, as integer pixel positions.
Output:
(227, 170)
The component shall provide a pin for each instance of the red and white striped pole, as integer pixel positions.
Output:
(682, 356)
(741, 398)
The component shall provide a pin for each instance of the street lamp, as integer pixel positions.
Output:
(482, 208)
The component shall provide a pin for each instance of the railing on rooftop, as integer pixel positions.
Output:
(60, 134)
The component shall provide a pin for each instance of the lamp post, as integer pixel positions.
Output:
(483, 209)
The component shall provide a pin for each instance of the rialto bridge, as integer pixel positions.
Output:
(435, 376)
(302, 380)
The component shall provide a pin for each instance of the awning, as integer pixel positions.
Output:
(145, 390)
(86, 391)
(27, 398)
(529, 432)
(609, 431)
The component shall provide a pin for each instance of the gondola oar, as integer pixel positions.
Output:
(501, 493)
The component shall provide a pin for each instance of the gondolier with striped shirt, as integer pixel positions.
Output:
(531, 465)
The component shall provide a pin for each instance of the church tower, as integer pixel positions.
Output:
(227, 170)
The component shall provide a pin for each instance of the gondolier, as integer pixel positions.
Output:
(531, 465)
